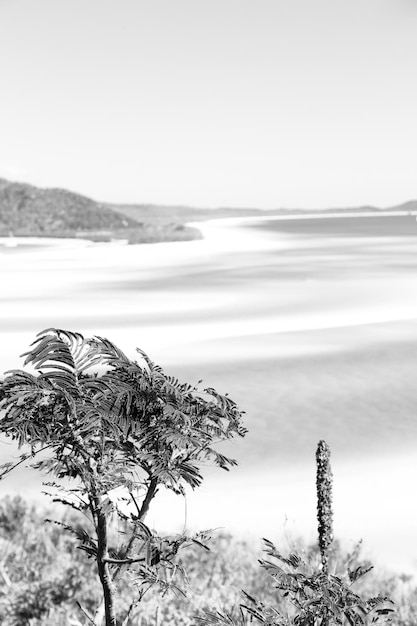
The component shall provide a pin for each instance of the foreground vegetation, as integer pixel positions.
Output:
(110, 432)
(45, 578)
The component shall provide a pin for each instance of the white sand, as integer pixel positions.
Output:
(233, 298)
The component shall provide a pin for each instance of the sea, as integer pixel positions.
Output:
(308, 323)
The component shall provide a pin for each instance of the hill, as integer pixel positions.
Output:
(52, 211)
(26, 210)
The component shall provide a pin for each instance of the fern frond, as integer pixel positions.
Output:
(52, 351)
(106, 351)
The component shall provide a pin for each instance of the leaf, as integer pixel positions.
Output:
(357, 573)
(194, 540)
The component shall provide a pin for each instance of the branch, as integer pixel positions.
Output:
(22, 459)
(147, 500)
(135, 503)
(141, 515)
(126, 619)
(132, 559)
(86, 613)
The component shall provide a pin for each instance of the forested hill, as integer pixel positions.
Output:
(26, 210)
(50, 211)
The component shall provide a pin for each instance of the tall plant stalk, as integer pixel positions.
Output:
(324, 502)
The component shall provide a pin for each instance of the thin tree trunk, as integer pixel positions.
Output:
(107, 581)
(103, 567)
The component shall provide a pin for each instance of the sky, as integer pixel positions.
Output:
(254, 103)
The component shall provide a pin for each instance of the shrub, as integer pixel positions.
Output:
(112, 438)
(310, 596)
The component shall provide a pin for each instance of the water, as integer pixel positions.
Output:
(311, 329)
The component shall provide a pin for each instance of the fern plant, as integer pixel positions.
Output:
(112, 431)
(309, 594)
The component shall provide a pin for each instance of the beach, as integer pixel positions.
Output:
(313, 333)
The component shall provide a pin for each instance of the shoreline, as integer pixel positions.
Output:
(205, 227)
